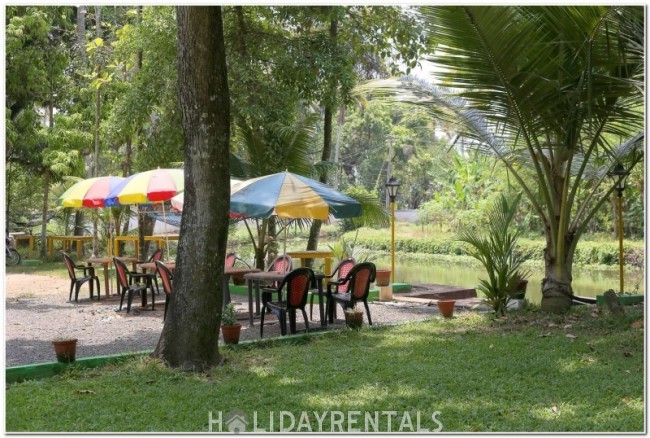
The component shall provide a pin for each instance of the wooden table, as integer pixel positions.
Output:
(227, 272)
(66, 241)
(159, 239)
(105, 261)
(150, 265)
(254, 279)
(29, 237)
(306, 255)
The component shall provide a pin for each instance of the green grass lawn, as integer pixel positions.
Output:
(581, 372)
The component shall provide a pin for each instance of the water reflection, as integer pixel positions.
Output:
(585, 282)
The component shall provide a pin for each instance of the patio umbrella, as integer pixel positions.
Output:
(178, 200)
(91, 192)
(288, 195)
(148, 187)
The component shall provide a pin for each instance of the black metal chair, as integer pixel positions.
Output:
(129, 282)
(296, 285)
(76, 282)
(167, 281)
(341, 271)
(359, 279)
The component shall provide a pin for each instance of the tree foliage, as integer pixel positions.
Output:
(555, 93)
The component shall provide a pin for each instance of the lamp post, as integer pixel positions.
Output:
(391, 188)
(619, 175)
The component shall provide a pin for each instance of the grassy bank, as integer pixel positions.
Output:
(531, 372)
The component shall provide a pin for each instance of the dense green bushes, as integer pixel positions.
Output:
(587, 253)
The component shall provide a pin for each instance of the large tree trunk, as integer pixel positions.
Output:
(314, 231)
(190, 335)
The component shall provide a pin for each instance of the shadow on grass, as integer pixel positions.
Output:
(477, 380)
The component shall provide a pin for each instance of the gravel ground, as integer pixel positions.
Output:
(37, 310)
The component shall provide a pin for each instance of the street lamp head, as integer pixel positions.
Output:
(391, 187)
(619, 175)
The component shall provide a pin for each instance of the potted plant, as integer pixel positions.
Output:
(229, 326)
(495, 247)
(353, 317)
(65, 349)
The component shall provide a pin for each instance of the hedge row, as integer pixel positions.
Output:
(587, 253)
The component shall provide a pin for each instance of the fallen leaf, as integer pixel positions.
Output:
(570, 336)
(595, 314)
(491, 346)
(567, 326)
(637, 324)
(626, 400)
(544, 335)
(475, 429)
(554, 409)
(550, 324)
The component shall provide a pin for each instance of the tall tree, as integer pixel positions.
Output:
(191, 333)
(549, 91)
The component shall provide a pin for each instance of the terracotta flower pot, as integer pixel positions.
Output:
(354, 320)
(383, 277)
(446, 307)
(65, 350)
(231, 333)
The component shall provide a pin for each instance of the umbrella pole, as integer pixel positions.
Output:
(286, 225)
(165, 227)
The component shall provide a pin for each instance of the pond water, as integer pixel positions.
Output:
(587, 283)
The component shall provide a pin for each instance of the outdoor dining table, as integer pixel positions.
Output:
(151, 265)
(105, 261)
(227, 272)
(254, 279)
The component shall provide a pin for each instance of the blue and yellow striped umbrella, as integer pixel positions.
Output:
(288, 195)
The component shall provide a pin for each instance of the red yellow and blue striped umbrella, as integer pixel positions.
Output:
(91, 192)
(148, 187)
(288, 195)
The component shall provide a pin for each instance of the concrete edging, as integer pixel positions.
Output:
(44, 370)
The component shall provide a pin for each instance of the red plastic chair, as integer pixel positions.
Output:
(125, 280)
(167, 280)
(231, 258)
(341, 271)
(282, 263)
(358, 280)
(76, 282)
(295, 285)
(157, 255)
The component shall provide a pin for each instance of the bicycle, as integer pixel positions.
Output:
(12, 256)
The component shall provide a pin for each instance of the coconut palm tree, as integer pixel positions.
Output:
(555, 93)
